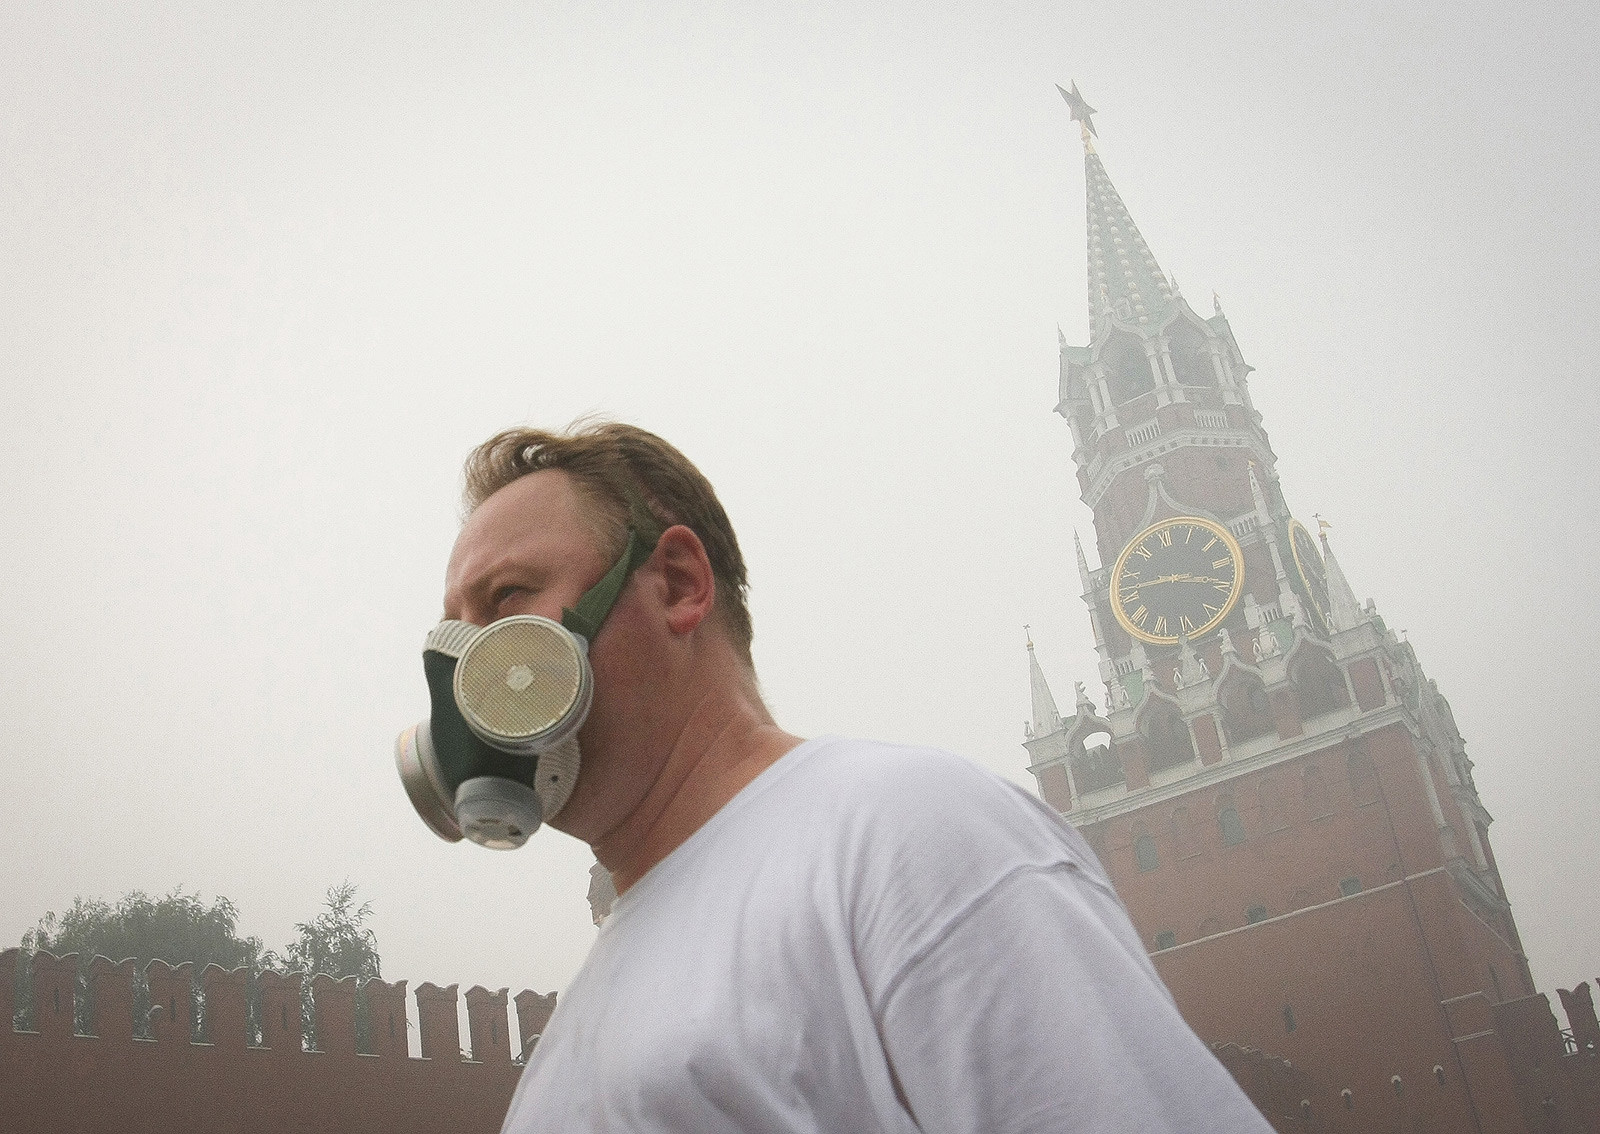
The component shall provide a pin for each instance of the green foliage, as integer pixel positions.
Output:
(336, 941)
(175, 927)
(179, 927)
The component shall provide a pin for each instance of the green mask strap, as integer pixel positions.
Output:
(592, 608)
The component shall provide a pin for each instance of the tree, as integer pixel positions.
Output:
(174, 928)
(179, 927)
(336, 941)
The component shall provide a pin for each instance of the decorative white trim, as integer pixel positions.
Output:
(1274, 752)
(1144, 433)
(1230, 438)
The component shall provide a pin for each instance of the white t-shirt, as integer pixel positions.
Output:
(873, 938)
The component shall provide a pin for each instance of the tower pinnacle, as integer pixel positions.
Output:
(1346, 612)
(1046, 717)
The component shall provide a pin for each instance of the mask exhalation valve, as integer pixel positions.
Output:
(497, 813)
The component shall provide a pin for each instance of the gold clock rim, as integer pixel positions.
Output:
(1215, 529)
(1305, 579)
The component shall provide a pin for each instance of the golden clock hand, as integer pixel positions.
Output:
(1165, 579)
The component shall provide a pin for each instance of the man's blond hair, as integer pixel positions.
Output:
(609, 461)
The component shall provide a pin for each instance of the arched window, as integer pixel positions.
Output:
(1144, 852)
(1166, 737)
(1191, 357)
(1319, 685)
(1096, 767)
(1246, 713)
(1128, 374)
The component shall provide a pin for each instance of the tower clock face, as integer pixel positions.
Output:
(1179, 576)
(1308, 565)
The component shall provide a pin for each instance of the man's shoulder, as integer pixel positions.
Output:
(873, 764)
(902, 777)
(913, 806)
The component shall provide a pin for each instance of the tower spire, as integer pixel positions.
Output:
(1046, 717)
(1346, 611)
(1124, 277)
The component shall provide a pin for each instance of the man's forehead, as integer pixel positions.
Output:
(536, 509)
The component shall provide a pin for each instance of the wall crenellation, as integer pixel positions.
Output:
(238, 1009)
(99, 1045)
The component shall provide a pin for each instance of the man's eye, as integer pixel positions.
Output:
(506, 594)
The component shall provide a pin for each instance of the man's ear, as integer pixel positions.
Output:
(689, 586)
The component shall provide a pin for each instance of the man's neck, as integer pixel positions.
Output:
(727, 741)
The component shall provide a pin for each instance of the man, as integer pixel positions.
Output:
(818, 935)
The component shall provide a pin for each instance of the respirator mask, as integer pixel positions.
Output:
(499, 755)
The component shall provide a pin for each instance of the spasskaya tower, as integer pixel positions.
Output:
(1277, 789)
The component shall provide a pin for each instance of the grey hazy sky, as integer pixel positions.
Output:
(267, 272)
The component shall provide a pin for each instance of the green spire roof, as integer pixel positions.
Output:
(1121, 265)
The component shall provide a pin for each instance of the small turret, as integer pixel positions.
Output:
(1046, 717)
(1288, 604)
(1345, 611)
